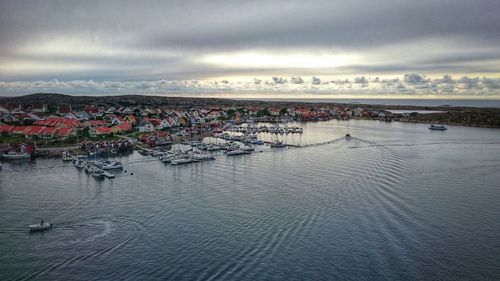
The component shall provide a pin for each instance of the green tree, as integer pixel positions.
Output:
(263, 112)
(230, 112)
(283, 111)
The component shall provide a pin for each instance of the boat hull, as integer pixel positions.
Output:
(16, 157)
(39, 227)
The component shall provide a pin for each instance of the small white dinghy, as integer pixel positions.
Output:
(40, 226)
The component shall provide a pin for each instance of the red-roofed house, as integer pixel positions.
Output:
(39, 108)
(33, 131)
(6, 129)
(64, 132)
(18, 130)
(48, 133)
(100, 131)
(123, 127)
(59, 122)
(64, 109)
(96, 123)
(92, 110)
(131, 119)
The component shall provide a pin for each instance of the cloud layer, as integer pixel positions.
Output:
(125, 42)
(409, 85)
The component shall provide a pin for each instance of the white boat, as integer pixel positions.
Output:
(181, 161)
(248, 148)
(230, 146)
(438, 128)
(80, 164)
(278, 144)
(12, 155)
(66, 156)
(111, 165)
(258, 142)
(98, 173)
(236, 152)
(202, 156)
(212, 147)
(157, 153)
(348, 136)
(40, 226)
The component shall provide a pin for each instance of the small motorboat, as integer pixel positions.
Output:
(66, 156)
(236, 152)
(202, 156)
(40, 226)
(181, 161)
(98, 174)
(212, 147)
(12, 155)
(278, 144)
(348, 136)
(438, 128)
(80, 164)
(111, 165)
(248, 148)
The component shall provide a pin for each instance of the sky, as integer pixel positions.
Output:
(384, 48)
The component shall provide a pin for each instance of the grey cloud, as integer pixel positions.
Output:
(414, 78)
(296, 80)
(360, 80)
(279, 80)
(316, 80)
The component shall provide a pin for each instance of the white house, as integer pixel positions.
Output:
(146, 127)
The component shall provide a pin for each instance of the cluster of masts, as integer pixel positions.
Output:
(265, 129)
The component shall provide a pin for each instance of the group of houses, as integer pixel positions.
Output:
(36, 120)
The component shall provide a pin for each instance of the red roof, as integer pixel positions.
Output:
(34, 130)
(94, 123)
(103, 130)
(160, 134)
(125, 126)
(64, 108)
(18, 129)
(91, 109)
(64, 131)
(5, 128)
(48, 131)
(57, 121)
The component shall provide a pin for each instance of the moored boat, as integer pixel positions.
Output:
(202, 156)
(66, 156)
(236, 152)
(80, 164)
(111, 165)
(248, 148)
(181, 161)
(438, 128)
(277, 144)
(12, 155)
(98, 173)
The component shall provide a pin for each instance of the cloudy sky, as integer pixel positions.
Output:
(440, 48)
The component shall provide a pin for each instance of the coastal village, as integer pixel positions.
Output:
(42, 125)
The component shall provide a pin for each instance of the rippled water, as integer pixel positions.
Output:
(396, 202)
